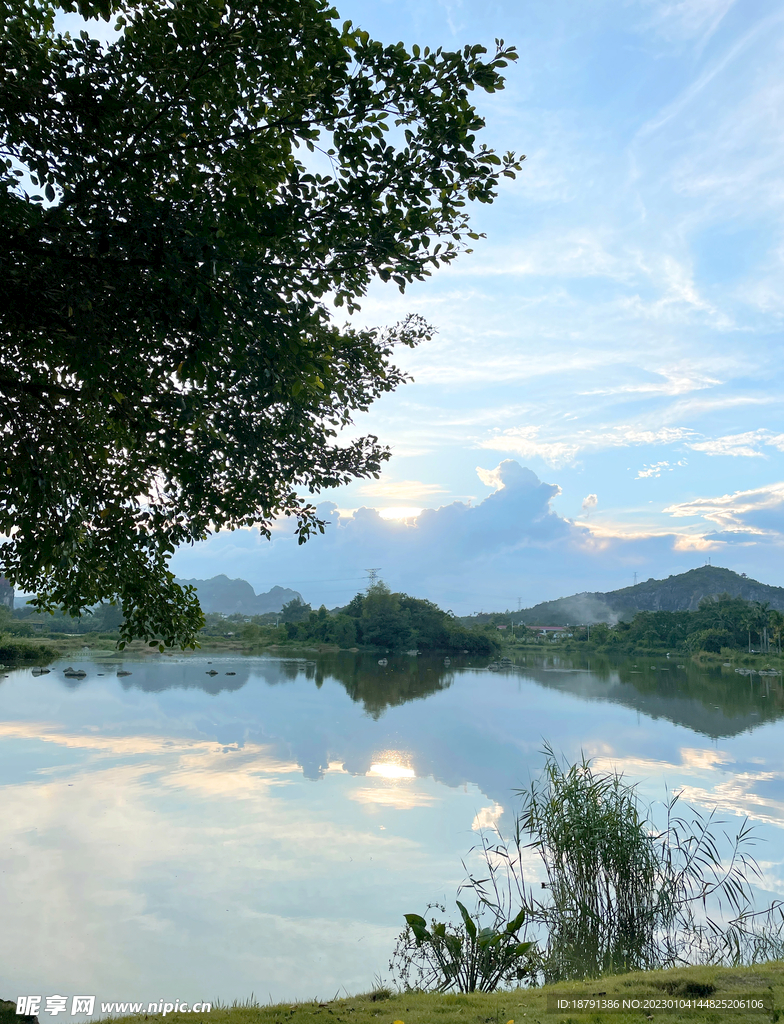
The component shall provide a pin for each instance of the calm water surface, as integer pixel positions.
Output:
(171, 834)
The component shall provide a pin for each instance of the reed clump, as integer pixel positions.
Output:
(620, 894)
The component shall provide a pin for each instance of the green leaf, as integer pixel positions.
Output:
(470, 927)
(418, 926)
(486, 937)
(516, 923)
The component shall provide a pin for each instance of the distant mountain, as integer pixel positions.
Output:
(220, 594)
(677, 593)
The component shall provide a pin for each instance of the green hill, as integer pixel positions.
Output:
(675, 594)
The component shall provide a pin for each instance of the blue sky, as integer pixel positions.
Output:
(617, 333)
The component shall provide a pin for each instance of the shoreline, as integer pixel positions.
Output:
(19, 652)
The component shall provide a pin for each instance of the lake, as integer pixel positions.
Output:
(173, 834)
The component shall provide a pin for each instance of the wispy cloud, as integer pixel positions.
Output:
(685, 19)
(526, 442)
(732, 511)
(562, 449)
(747, 444)
(673, 381)
(654, 470)
(689, 94)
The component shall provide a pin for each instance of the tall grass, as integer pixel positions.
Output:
(604, 906)
(620, 895)
(623, 895)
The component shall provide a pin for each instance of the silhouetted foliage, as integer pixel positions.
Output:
(170, 363)
(719, 622)
(394, 622)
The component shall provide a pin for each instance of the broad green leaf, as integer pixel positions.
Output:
(467, 920)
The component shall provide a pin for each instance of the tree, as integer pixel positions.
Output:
(758, 620)
(384, 622)
(777, 622)
(183, 207)
(295, 610)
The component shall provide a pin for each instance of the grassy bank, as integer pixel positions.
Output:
(26, 652)
(40, 650)
(653, 990)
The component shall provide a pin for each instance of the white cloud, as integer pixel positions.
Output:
(525, 441)
(573, 254)
(398, 512)
(589, 501)
(487, 817)
(692, 91)
(655, 469)
(674, 382)
(745, 510)
(746, 444)
(563, 449)
(445, 554)
(510, 545)
(692, 408)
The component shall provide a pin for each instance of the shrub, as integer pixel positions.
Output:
(15, 650)
(468, 957)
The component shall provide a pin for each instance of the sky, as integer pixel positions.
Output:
(602, 395)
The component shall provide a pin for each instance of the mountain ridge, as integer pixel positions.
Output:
(676, 593)
(237, 597)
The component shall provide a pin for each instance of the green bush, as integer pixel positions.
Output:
(469, 957)
(16, 650)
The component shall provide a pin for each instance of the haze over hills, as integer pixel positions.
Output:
(232, 597)
(676, 593)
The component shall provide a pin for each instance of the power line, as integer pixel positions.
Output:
(333, 579)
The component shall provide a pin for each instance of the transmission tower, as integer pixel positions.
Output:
(635, 579)
(372, 576)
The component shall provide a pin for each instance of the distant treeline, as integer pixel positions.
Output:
(398, 622)
(394, 622)
(719, 623)
(376, 619)
(26, 621)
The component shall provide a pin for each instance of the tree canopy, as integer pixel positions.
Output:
(183, 207)
(394, 622)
